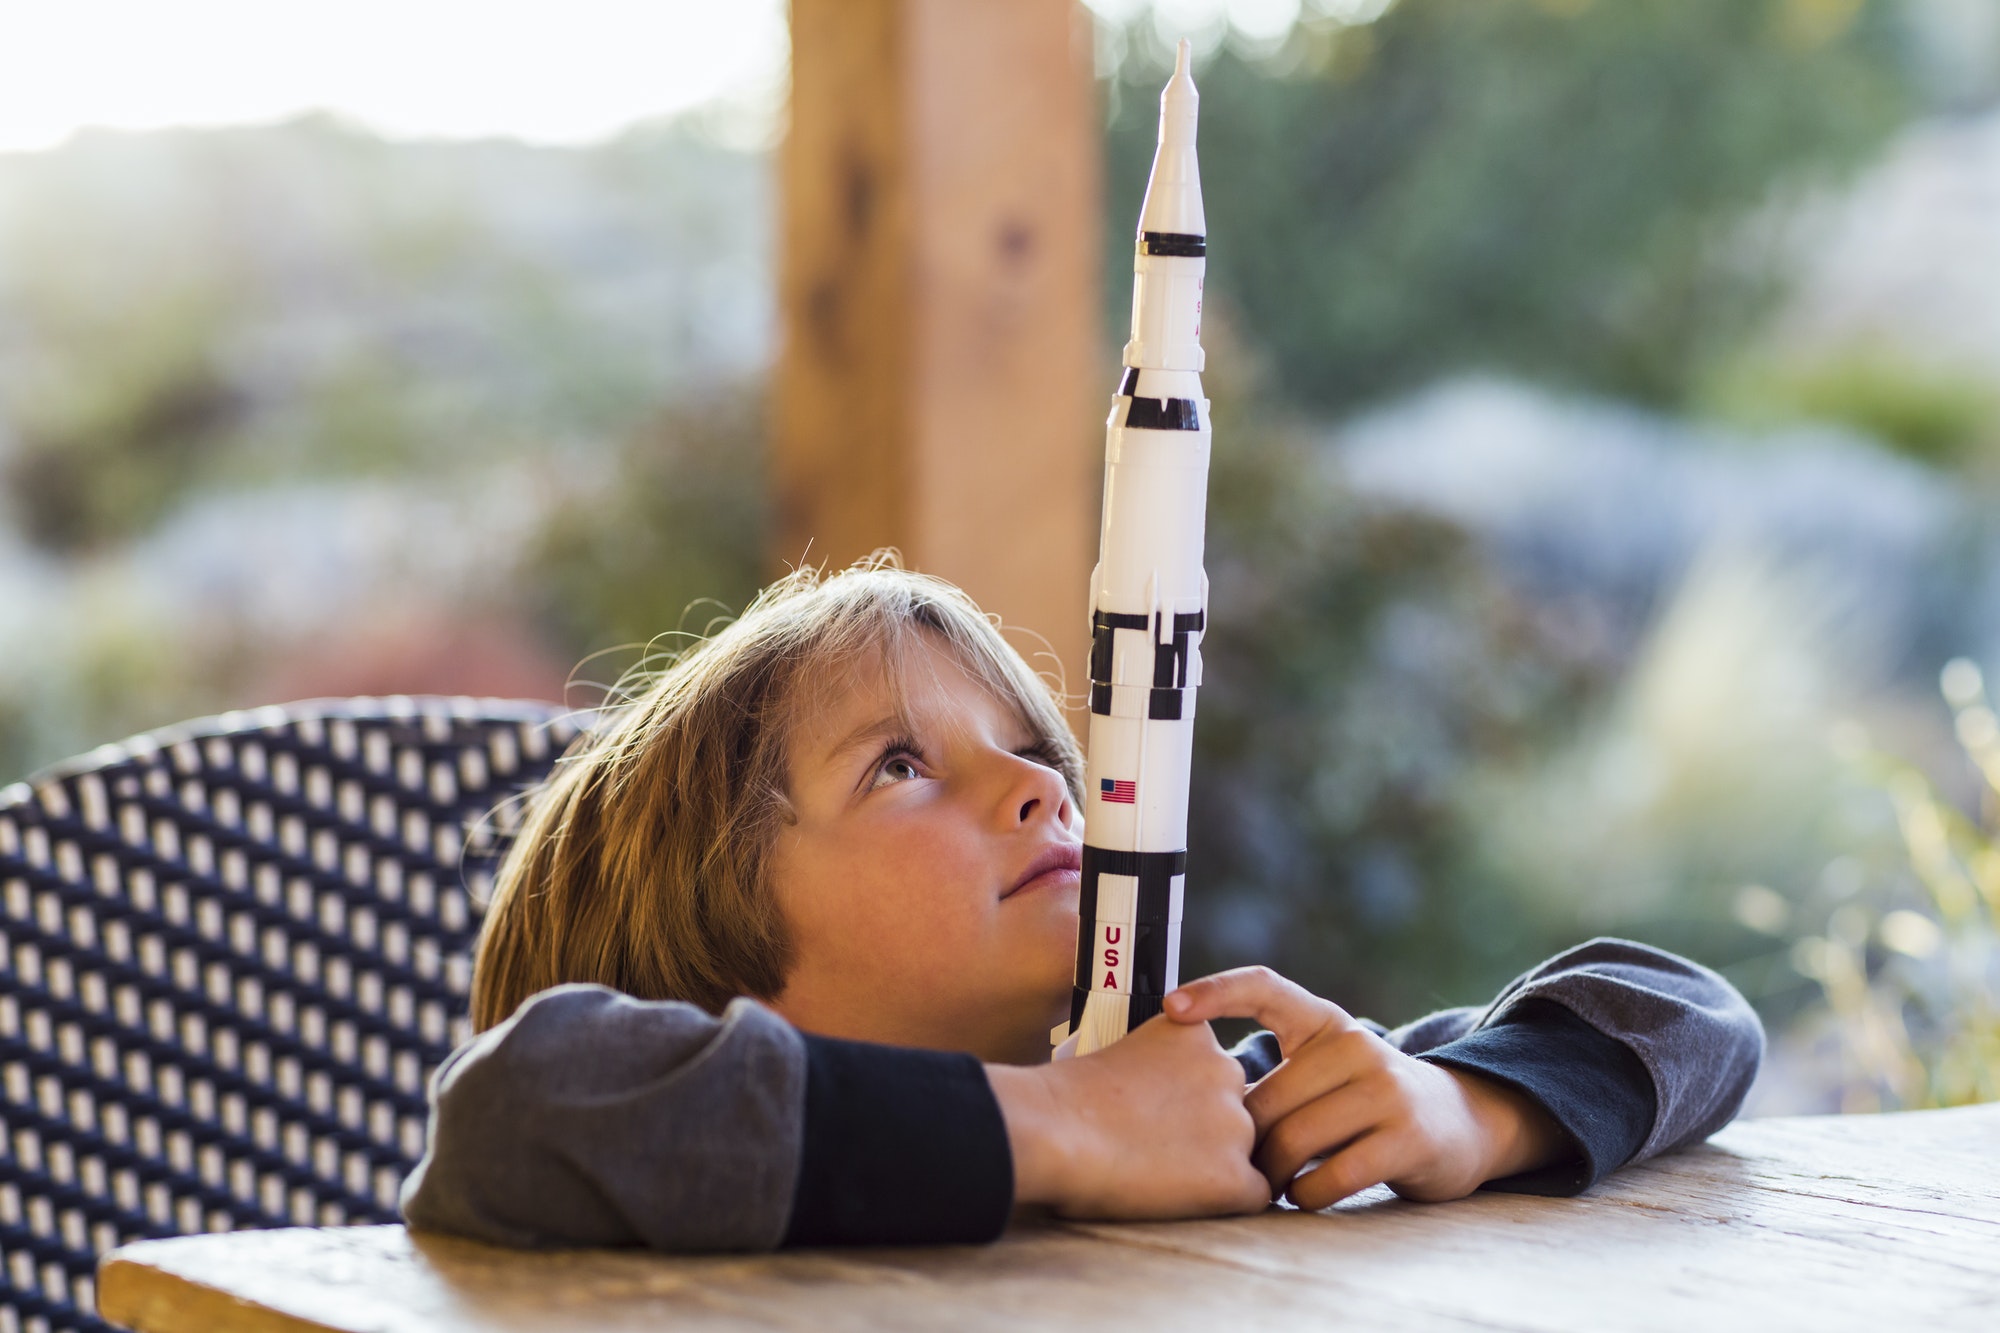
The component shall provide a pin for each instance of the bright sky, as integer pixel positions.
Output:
(546, 70)
(554, 71)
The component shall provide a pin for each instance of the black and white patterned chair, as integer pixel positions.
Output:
(231, 953)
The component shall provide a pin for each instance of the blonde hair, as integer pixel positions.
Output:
(641, 863)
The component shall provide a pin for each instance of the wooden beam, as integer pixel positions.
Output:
(942, 382)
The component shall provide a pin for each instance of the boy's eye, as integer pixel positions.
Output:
(899, 765)
(1044, 753)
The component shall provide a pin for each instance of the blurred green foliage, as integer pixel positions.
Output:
(204, 309)
(1907, 959)
(671, 536)
(200, 329)
(1936, 413)
(1359, 663)
(1571, 192)
(122, 422)
(1554, 189)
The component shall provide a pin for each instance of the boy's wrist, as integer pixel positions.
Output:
(1516, 1133)
(1040, 1133)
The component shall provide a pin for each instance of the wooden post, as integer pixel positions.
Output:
(942, 385)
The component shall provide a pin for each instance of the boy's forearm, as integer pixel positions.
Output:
(1630, 1049)
(899, 1146)
(592, 1118)
(1698, 1040)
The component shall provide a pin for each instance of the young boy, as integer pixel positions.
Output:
(823, 874)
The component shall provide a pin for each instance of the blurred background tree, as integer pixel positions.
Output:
(1555, 188)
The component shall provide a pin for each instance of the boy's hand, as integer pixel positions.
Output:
(1376, 1115)
(1153, 1126)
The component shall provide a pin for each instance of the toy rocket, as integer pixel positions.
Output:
(1148, 608)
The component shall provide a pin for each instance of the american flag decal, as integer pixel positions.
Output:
(1118, 791)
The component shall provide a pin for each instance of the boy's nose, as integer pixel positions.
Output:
(1042, 786)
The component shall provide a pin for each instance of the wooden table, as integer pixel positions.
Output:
(1882, 1223)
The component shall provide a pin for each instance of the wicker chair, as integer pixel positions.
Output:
(231, 954)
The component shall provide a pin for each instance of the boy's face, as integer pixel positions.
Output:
(930, 879)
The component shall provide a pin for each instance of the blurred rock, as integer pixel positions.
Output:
(1582, 500)
(1908, 256)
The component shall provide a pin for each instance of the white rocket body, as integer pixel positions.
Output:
(1149, 608)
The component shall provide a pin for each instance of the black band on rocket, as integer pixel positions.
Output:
(1156, 413)
(1162, 705)
(1170, 660)
(1101, 639)
(1153, 907)
(1155, 872)
(1104, 623)
(1162, 414)
(1152, 929)
(1175, 243)
(1103, 627)
(1170, 663)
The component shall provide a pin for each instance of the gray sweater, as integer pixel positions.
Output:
(591, 1118)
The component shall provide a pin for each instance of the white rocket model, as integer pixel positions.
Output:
(1148, 608)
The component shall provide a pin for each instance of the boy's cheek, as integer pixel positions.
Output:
(1050, 937)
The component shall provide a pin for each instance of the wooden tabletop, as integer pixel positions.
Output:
(1881, 1223)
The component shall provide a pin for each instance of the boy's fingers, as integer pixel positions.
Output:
(1369, 1160)
(1252, 1194)
(1322, 1126)
(1326, 1064)
(1288, 1009)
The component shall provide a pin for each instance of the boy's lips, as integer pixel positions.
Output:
(1062, 861)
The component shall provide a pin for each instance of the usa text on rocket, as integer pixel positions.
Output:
(1149, 607)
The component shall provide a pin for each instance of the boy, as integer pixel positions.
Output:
(857, 807)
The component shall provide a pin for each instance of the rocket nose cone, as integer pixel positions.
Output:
(1179, 99)
(1180, 84)
(1173, 192)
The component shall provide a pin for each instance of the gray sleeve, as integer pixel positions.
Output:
(1699, 1041)
(1434, 1030)
(591, 1118)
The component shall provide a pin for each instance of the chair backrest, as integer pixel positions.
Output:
(231, 954)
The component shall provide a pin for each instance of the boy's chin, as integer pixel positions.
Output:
(1056, 1000)
(1040, 1005)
